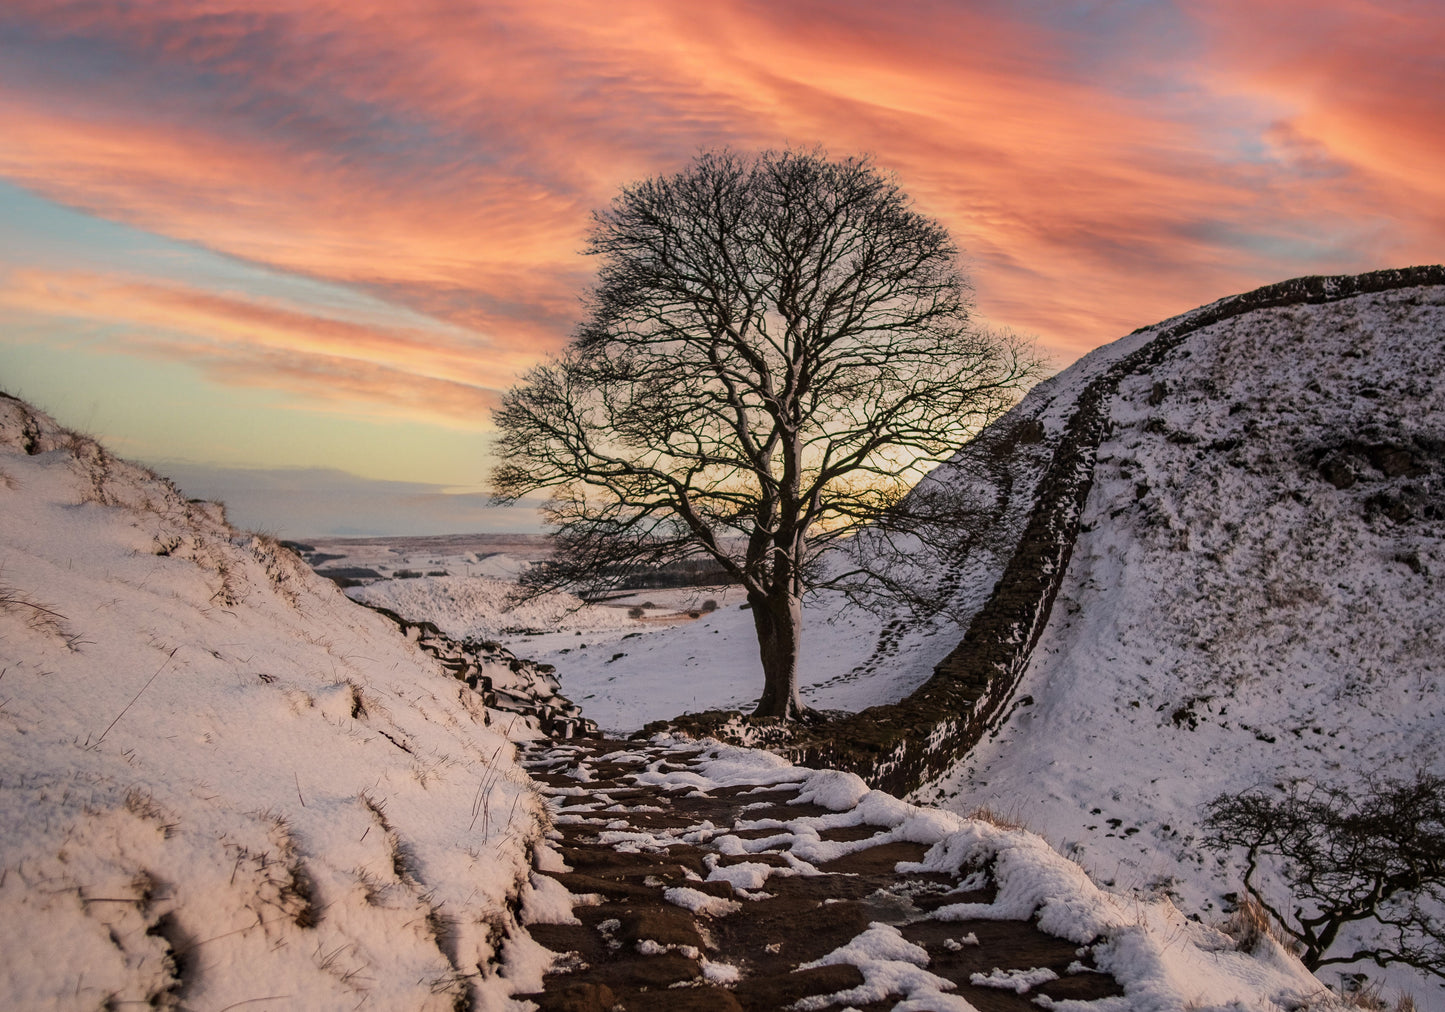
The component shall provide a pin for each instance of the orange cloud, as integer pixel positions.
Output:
(1358, 82)
(340, 365)
(446, 156)
(272, 210)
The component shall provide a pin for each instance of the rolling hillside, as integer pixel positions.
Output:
(1254, 594)
(225, 784)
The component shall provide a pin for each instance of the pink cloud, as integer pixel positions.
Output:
(1357, 82)
(335, 364)
(447, 155)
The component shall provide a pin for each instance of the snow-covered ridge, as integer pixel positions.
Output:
(1254, 591)
(220, 780)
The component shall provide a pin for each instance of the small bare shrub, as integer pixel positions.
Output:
(1371, 851)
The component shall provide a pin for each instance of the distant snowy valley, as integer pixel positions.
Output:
(693, 648)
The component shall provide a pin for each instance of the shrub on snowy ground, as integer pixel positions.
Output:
(1374, 852)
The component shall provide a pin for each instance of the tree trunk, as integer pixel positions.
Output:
(778, 618)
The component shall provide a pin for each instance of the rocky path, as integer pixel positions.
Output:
(712, 879)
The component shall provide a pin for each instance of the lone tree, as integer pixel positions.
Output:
(777, 347)
(1373, 853)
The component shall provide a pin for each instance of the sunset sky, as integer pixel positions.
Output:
(289, 251)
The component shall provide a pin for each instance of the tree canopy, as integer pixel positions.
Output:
(777, 347)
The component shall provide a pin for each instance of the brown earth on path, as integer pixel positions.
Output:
(745, 945)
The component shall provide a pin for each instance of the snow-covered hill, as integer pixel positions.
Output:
(220, 780)
(1255, 594)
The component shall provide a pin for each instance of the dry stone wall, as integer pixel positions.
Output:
(900, 746)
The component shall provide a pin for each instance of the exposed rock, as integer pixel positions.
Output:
(506, 682)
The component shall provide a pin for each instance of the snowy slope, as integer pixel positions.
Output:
(1255, 594)
(484, 607)
(221, 781)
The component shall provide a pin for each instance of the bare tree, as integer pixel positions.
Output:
(1372, 853)
(777, 348)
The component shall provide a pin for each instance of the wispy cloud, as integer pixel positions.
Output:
(443, 374)
(1103, 167)
(1357, 82)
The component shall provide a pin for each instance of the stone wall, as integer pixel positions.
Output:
(900, 746)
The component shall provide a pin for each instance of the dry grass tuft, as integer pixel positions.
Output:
(287, 885)
(140, 803)
(284, 568)
(1249, 924)
(1011, 820)
(403, 862)
(358, 701)
(37, 617)
(373, 890)
(1370, 995)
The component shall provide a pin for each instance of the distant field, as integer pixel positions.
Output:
(524, 546)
